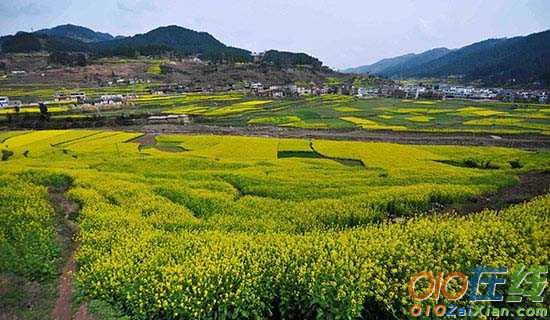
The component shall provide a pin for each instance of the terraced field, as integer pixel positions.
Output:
(341, 112)
(326, 112)
(210, 227)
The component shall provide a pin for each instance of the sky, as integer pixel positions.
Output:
(341, 33)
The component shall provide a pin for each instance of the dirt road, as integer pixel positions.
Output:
(525, 141)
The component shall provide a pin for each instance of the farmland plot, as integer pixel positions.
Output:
(228, 228)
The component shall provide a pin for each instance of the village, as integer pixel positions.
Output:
(388, 89)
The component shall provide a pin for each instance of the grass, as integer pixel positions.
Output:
(33, 92)
(154, 68)
(281, 120)
(237, 108)
(372, 125)
(480, 112)
(346, 109)
(422, 119)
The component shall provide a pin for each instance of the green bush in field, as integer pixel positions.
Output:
(28, 244)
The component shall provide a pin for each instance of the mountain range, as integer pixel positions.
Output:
(523, 59)
(172, 40)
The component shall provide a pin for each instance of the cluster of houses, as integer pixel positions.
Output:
(289, 90)
(168, 89)
(81, 98)
(5, 102)
(107, 99)
(446, 91)
(72, 96)
(275, 91)
(123, 81)
(441, 91)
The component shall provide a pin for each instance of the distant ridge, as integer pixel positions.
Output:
(163, 40)
(524, 59)
(76, 33)
(380, 66)
(414, 62)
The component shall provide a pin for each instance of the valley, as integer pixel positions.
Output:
(164, 174)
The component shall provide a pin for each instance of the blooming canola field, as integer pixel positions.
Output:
(228, 227)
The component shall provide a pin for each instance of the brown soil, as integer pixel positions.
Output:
(140, 124)
(67, 209)
(525, 141)
(19, 296)
(62, 309)
(530, 185)
(147, 139)
(83, 313)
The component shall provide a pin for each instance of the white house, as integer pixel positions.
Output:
(111, 99)
(4, 102)
(78, 96)
(256, 85)
(304, 91)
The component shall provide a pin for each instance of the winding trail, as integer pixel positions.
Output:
(67, 231)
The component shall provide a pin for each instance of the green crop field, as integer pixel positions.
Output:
(319, 112)
(340, 112)
(35, 92)
(227, 227)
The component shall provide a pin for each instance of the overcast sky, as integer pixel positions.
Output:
(342, 33)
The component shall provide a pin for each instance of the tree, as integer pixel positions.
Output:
(333, 82)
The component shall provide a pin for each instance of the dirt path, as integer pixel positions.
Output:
(531, 185)
(525, 141)
(147, 139)
(66, 210)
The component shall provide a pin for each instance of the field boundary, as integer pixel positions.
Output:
(522, 141)
(530, 185)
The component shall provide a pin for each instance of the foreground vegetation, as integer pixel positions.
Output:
(203, 227)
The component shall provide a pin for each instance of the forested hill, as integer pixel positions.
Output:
(163, 40)
(523, 59)
(76, 32)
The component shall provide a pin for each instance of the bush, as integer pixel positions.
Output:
(47, 179)
(28, 244)
(6, 154)
(515, 164)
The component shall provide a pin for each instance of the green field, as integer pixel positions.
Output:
(35, 92)
(325, 112)
(340, 112)
(206, 227)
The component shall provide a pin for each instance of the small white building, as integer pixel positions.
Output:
(4, 102)
(543, 98)
(304, 91)
(112, 99)
(256, 85)
(78, 96)
(361, 92)
(15, 103)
